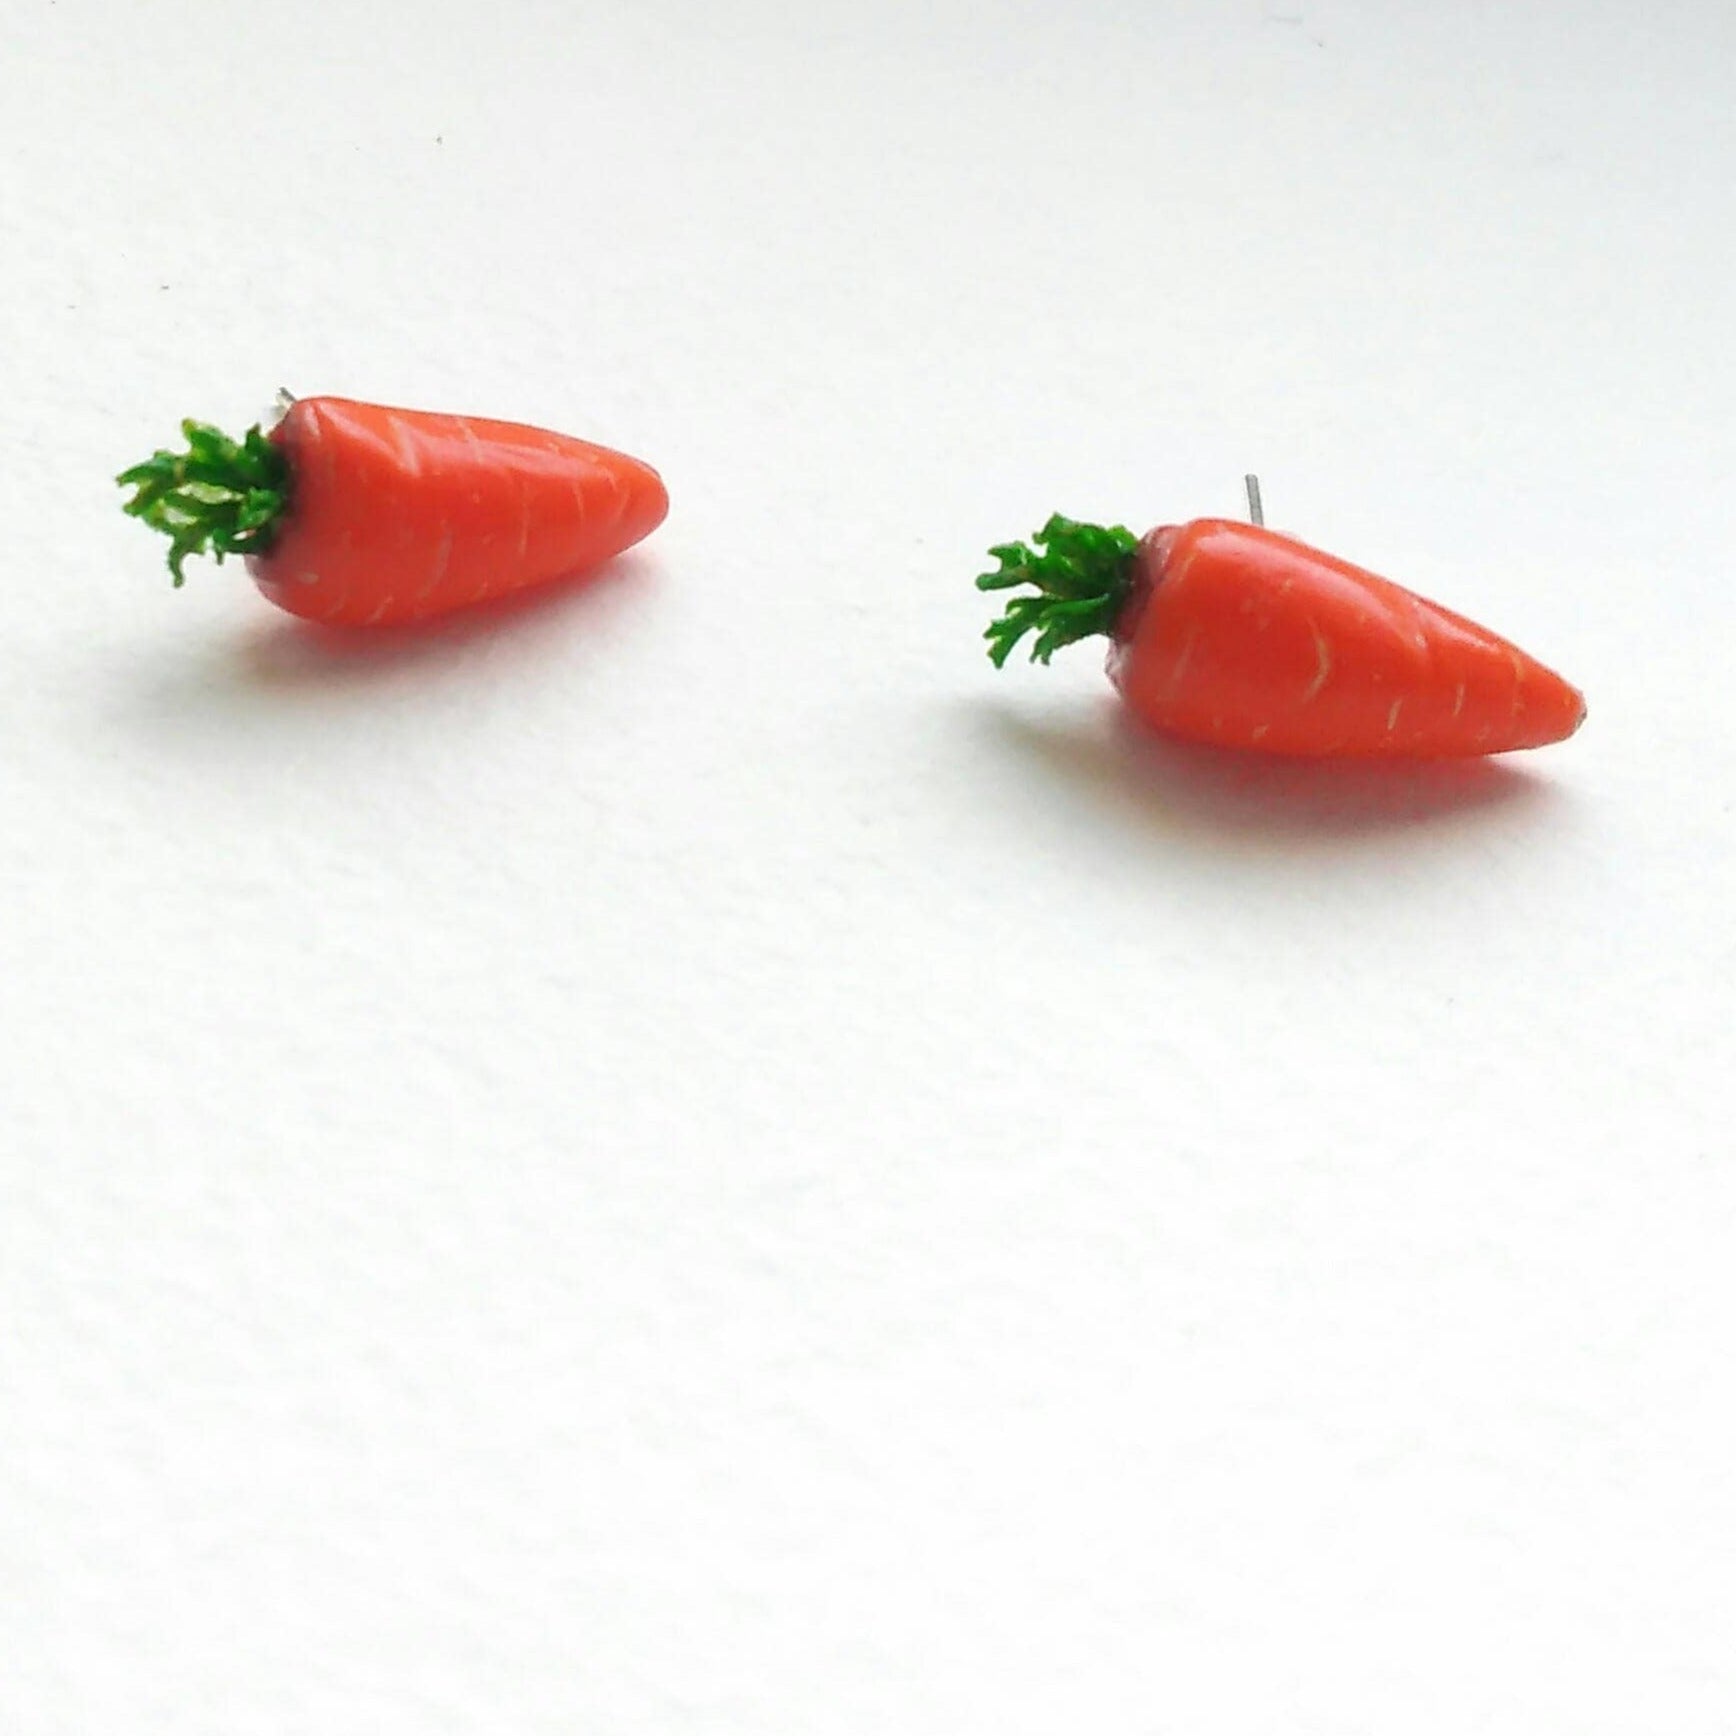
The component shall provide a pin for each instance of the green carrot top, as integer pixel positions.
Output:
(219, 497)
(1080, 576)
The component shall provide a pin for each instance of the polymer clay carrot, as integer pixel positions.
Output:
(1230, 633)
(365, 515)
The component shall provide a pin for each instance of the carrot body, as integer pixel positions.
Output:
(1238, 635)
(395, 515)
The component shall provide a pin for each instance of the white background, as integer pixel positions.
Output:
(687, 1158)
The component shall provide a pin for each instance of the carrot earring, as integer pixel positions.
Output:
(1231, 633)
(363, 515)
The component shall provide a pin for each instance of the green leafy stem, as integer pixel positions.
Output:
(219, 497)
(1080, 576)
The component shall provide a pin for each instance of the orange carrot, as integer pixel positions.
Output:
(365, 515)
(1230, 633)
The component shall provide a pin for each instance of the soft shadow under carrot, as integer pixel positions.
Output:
(304, 654)
(279, 667)
(1159, 783)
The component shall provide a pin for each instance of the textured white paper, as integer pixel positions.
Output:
(688, 1158)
